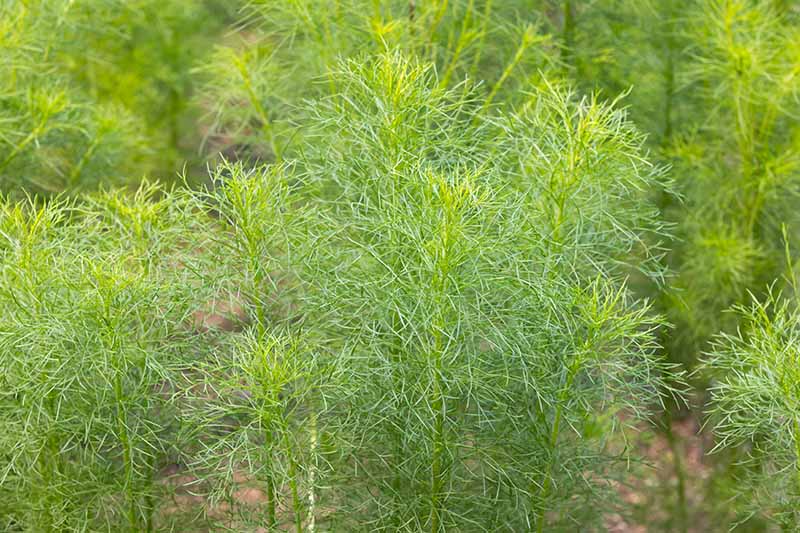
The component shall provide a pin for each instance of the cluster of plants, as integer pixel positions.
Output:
(396, 265)
(98, 92)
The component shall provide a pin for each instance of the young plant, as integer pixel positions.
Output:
(253, 402)
(256, 425)
(467, 285)
(94, 332)
(754, 400)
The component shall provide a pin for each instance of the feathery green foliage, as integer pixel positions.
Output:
(51, 136)
(737, 168)
(755, 398)
(96, 92)
(410, 295)
(291, 50)
(94, 330)
(433, 328)
(255, 386)
(478, 328)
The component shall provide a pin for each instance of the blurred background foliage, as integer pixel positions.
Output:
(98, 92)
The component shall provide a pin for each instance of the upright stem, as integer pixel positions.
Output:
(49, 457)
(174, 120)
(461, 43)
(395, 351)
(399, 449)
(527, 40)
(312, 475)
(49, 463)
(259, 278)
(546, 483)
(255, 101)
(127, 452)
(439, 285)
(487, 12)
(439, 406)
(555, 430)
(437, 19)
(32, 136)
(75, 174)
(797, 452)
(298, 516)
(149, 504)
(270, 481)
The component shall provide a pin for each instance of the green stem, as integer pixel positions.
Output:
(555, 430)
(797, 451)
(527, 40)
(149, 498)
(270, 481)
(52, 108)
(460, 45)
(298, 516)
(87, 154)
(487, 11)
(127, 452)
(255, 101)
(174, 119)
(437, 19)
(396, 353)
(312, 476)
(545, 491)
(437, 479)
(32, 136)
(51, 470)
(439, 406)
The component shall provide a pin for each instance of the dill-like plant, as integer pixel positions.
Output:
(467, 284)
(430, 325)
(432, 329)
(251, 398)
(736, 167)
(95, 330)
(754, 398)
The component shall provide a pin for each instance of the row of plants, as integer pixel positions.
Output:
(431, 333)
(429, 287)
